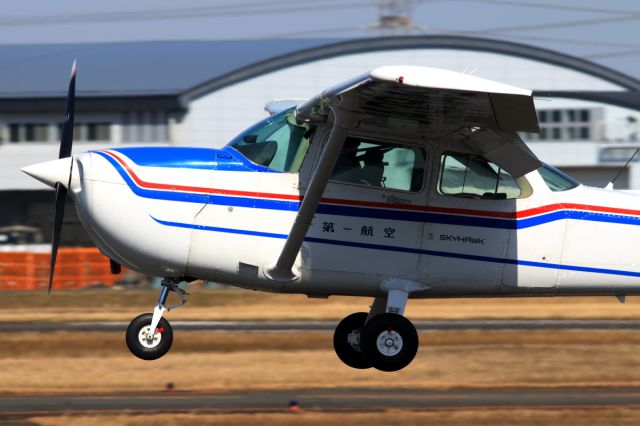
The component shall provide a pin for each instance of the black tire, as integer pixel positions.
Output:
(153, 350)
(396, 349)
(350, 355)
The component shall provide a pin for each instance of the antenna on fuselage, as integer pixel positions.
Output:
(622, 169)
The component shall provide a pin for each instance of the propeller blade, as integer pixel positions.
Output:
(67, 128)
(61, 197)
(66, 143)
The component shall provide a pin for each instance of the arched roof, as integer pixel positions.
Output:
(168, 75)
(417, 42)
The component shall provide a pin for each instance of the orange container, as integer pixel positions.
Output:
(75, 268)
(16, 283)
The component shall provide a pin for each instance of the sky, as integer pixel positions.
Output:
(604, 32)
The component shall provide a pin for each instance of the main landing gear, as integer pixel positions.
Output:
(149, 336)
(382, 339)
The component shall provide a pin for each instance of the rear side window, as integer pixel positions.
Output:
(380, 164)
(555, 179)
(472, 176)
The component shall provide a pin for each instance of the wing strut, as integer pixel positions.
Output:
(281, 271)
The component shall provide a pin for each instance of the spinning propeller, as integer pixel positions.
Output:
(65, 151)
(58, 173)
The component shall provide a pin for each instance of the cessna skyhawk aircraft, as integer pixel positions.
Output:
(405, 182)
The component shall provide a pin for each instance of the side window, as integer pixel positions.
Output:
(471, 176)
(556, 180)
(380, 164)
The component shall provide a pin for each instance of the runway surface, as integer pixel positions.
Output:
(353, 399)
(441, 325)
(330, 325)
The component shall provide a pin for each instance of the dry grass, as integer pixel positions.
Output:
(204, 304)
(100, 362)
(458, 417)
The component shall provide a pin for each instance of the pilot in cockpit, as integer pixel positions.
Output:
(348, 168)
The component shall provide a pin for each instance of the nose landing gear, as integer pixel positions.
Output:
(149, 336)
(147, 345)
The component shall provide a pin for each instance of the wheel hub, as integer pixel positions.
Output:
(389, 343)
(354, 339)
(148, 339)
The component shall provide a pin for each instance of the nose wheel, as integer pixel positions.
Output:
(149, 336)
(144, 343)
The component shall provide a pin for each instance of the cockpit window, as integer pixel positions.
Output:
(380, 164)
(277, 142)
(556, 180)
(472, 176)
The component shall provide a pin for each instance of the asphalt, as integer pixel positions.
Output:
(330, 325)
(21, 407)
(330, 400)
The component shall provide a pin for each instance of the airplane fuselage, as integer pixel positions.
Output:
(213, 214)
(402, 182)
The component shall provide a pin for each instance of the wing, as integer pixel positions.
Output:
(431, 95)
(439, 103)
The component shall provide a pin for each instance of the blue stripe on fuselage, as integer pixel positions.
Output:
(225, 159)
(370, 212)
(219, 229)
(397, 249)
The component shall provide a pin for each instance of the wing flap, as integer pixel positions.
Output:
(504, 148)
(514, 112)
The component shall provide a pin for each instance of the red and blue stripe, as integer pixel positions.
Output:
(341, 207)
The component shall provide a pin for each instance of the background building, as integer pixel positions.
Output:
(203, 93)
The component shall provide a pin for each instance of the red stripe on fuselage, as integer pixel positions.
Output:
(199, 189)
(444, 210)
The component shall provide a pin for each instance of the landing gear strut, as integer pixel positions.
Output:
(149, 336)
(383, 339)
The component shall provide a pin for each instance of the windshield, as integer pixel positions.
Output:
(277, 142)
(556, 180)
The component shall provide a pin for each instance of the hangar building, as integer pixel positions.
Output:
(204, 92)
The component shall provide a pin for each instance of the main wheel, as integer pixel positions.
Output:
(389, 342)
(145, 345)
(349, 351)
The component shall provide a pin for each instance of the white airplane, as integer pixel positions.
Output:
(405, 182)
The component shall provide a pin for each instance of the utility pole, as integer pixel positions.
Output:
(394, 18)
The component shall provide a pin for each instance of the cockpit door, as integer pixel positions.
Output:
(369, 218)
(471, 213)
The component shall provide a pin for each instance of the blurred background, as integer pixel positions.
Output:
(197, 73)
(152, 72)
